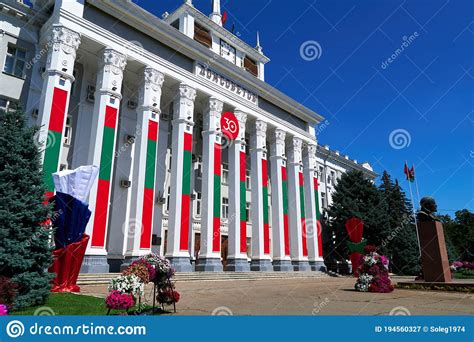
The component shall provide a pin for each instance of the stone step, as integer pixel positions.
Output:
(95, 279)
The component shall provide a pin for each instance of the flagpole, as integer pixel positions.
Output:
(416, 184)
(414, 213)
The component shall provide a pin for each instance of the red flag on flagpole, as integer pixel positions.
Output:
(410, 173)
(224, 18)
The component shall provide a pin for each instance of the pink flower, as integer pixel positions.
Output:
(3, 310)
(120, 301)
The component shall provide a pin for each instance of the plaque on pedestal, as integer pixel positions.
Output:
(434, 255)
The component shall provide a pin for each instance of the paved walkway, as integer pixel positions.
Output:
(320, 296)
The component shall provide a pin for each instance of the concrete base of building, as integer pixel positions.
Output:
(261, 265)
(282, 266)
(301, 266)
(237, 265)
(209, 265)
(318, 266)
(181, 264)
(126, 262)
(95, 264)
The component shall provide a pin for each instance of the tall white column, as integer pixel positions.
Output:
(181, 170)
(313, 224)
(102, 154)
(280, 223)
(298, 242)
(261, 259)
(237, 242)
(143, 184)
(210, 252)
(55, 100)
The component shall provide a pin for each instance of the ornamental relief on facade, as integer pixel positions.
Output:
(114, 62)
(65, 39)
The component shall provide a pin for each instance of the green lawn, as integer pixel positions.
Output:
(69, 304)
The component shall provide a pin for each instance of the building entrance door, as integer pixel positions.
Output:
(224, 249)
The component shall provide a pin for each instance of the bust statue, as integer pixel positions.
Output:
(428, 208)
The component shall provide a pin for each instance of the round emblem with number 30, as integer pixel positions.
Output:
(229, 125)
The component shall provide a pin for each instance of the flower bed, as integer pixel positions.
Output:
(373, 273)
(126, 290)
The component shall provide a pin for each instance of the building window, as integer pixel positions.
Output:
(251, 66)
(68, 131)
(8, 105)
(225, 208)
(247, 179)
(198, 204)
(323, 199)
(225, 174)
(202, 35)
(15, 61)
(168, 200)
(321, 173)
(247, 211)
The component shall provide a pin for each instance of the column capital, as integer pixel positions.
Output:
(312, 148)
(260, 128)
(240, 115)
(65, 39)
(187, 93)
(215, 105)
(297, 144)
(278, 136)
(114, 61)
(153, 78)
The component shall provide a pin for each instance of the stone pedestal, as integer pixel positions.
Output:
(434, 255)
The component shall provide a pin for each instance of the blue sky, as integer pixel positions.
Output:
(422, 98)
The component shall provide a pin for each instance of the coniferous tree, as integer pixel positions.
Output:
(400, 240)
(24, 249)
(355, 196)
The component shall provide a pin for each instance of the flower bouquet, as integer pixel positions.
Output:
(130, 284)
(119, 301)
(168, 296)
(142, 269)
(373, 273)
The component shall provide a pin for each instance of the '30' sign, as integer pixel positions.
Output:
(229, 125)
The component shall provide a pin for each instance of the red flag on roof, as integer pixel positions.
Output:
(224, 18)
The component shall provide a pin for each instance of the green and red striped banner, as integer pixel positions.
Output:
(105, 173)
(216, 224)
(186, 192)
(148, 193)
(243, 202)
(286, 229)
(318, 217)
(303, 218)
(54, 139)
(266, 224)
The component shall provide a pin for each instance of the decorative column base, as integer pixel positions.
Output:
(318, 265)
(95, 264)
(209, 265)
(282, 266)
(301, 266)
(261, 265)
(181, 264)
(237, 265)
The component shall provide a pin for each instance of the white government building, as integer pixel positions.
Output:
(200, 160)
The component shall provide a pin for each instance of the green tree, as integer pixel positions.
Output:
(459, 234)
(355, 196)
(400, 240)
(24, 249)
